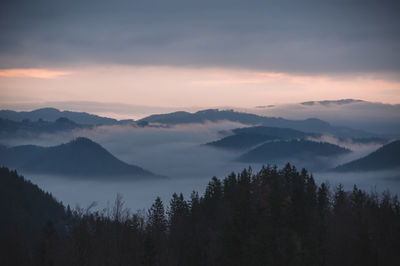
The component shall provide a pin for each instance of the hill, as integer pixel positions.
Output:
(245, 138)
(28, 128)
(215, 115)
(379, 118)
(385, 158)
(80, 157)
(25, 207)
(52, 114)
(270, 217)
(294, 149)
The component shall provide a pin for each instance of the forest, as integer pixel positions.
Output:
(272, 217)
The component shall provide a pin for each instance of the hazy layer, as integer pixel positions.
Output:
(141, 194)
(178, 153)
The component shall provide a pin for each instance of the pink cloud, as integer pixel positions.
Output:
(32, 73)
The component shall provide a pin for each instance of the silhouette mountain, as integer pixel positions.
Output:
(241, 141)
(375, 117)
(10, 128)
(80, 157)
(245, 138)
(214, 115)
(25, 207)
(385, 158)
(52, 114)
(291, 150)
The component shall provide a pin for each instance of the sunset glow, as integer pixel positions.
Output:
(206, 87)
(32, 73)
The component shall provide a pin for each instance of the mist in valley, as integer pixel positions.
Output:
(178, 154)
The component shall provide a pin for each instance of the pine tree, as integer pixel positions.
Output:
(157, 223)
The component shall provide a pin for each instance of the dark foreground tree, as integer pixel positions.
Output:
(273, 217)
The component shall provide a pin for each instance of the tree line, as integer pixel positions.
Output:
(272, 217)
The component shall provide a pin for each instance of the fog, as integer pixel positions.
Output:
(358, 150)
(373, 117)
(137, 195)
(374, 181)
(177, 153)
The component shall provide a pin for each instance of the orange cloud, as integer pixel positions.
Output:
(32, 73)
(188, 87)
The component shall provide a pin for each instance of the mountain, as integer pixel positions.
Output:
(52, 114)
(12, 129)
(245, 138)
(25, 207)
(291, 150)
(240, 141)
(284, 133)
(214, 115)
(80, 157)
(375, 117)
(385, 158)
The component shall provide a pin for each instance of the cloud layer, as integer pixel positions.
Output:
(177, 153)
(285, 36)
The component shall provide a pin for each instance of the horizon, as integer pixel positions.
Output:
(137, 112)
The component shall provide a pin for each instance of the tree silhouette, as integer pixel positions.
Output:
(273, 217)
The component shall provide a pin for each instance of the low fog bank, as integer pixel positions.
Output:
(358, 150)
(170, 151)
(137, 194)
(140, 195)
(369, 116)
(374, 181)
(176, 152)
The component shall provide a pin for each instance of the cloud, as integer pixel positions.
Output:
(358, 150)
(175, 152)
(280, 36)
(197, 87)
(374, 117)
(32, 73)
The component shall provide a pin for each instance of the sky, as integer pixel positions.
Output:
(186, 54)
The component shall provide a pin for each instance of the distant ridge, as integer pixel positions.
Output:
(383, 119)
(293, 149)
(52, 114)
(80, 157)
(245, 138)
(214, 115)
(385, 158)
(28, 128)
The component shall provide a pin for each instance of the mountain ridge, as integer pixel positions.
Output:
(385, 158)
(52, 114)
(79, 157)
(27, 128)
(292, 149)
(26, 207)
(245, 138)
(314, 125)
